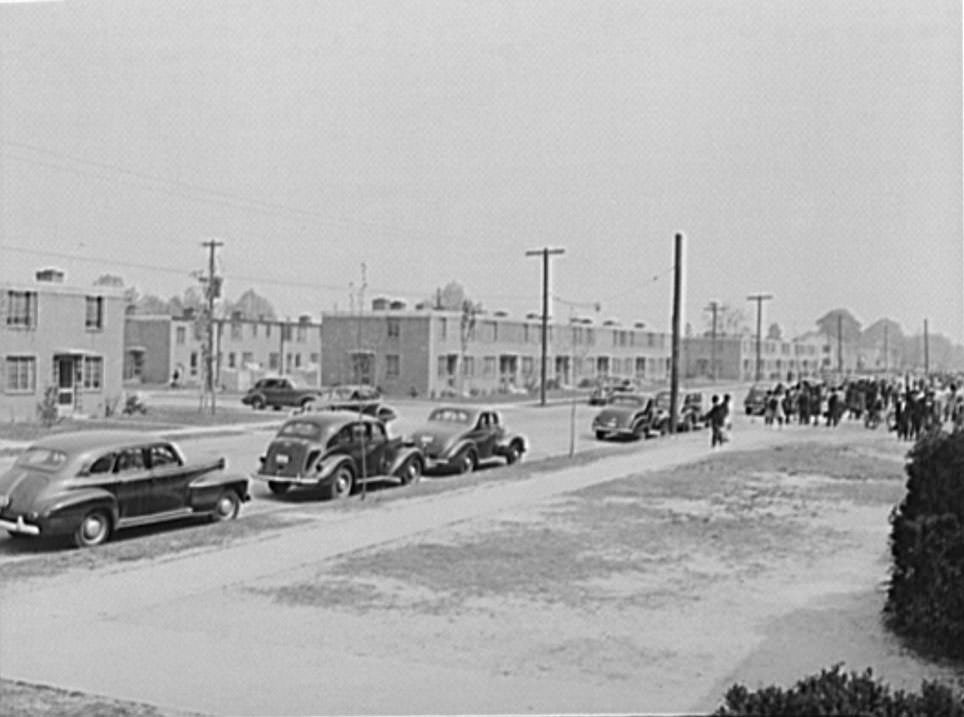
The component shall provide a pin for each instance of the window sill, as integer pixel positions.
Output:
(21, 327)
(20, 392)
(94, 329)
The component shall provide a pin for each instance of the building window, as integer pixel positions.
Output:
(443, 366)
(180, 335)
(468, 366)
(21, 374)
(591, 337)
(231, 360)
(313, 358)
(393, 329)
(640, 366)
(94, 320)
(274, 360)
(267, 331)
(443, 325)
(254, 330)
(22, 309)
(247, 358)
(527, 365)
(93, 373)
(193, 363)
(301, 335)
(237, 331)
(297, 360)
(391, 366)
(285, 332)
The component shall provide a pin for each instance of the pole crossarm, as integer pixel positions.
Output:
(545, 254)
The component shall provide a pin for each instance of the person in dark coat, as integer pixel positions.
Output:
(716, 417)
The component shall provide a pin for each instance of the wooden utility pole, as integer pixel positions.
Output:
(714, 307)
(840, 344)
(927, 357)
(213, 290)
(885, 349)
(759, 299)
(545, 254)
(674, 362)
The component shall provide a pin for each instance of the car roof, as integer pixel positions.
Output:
(329, 419)
(101, 440)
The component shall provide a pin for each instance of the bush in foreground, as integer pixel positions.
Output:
(925, 599)
(833, 692)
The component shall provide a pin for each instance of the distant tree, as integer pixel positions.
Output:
(151, 304)
(774, 333)
(109, 280)
(251, 305)
(849, 327)
(448, 298)
(466, 333)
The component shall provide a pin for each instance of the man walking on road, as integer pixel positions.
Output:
(716, 417)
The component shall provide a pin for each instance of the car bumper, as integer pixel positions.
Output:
(289, 480)
(19, 526)
(614, 430)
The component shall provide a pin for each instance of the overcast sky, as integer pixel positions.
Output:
(809, 149)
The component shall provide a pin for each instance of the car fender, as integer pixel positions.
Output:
(213, 483)
(327, 465)
(78, 501)
(512, 439)
(403, 455)
(458, 447)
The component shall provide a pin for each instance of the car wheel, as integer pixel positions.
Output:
(278, 488)
(341, 483)
(227, 507)
(600, 435)
(257, 403)
(411, 472)
(465, 462)
(307, 404)
(93, 529)
(639, 431)
(512, 455)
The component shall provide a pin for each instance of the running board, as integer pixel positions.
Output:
(154, 518)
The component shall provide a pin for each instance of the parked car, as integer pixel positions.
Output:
(629, 415)
(604, 390)
(691, 417)
(351, 393)
(336, 452)
(279, 392)
(377, 409)
(460, 437)
(89, 484)
(755, 403)
(689, 411)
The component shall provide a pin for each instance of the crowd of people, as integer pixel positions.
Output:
(908, 407)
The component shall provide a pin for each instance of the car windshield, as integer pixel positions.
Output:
(450, 415)
(42, 458)
(301, 429)
(627, 401)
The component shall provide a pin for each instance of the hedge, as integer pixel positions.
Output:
(834, 693)
(925, 598)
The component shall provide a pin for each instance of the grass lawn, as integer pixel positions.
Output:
(161, 418)
(20, 699)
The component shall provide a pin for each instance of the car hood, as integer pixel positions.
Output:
(286, 456)
(22, 488)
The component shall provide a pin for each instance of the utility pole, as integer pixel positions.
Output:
(885, 349)
(213, 290)
(759, 299)
(714, 307)
(840, 343)
(927, 357)
(545, 254)
(674, 363)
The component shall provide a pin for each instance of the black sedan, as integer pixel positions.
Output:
(91, 483)
(458, 438)
(336, 452)
(630, 415)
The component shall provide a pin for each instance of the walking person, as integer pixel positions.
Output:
(725, 407)
(716, 419)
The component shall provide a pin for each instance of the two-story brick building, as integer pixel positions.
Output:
(421, 351)
(734, 358)
(158, 348)
(69, 338)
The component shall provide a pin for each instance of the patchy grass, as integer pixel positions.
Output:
(641, 540)
(21, 699)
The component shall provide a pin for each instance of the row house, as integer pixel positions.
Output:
(68, 340)
(734, 358)
(435, 352)
(165, 349)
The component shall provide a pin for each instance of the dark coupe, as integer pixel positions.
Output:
(630, 415)
(336, 452)
(91, 483)
(460, 437)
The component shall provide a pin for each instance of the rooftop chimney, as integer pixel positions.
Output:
(50, 275)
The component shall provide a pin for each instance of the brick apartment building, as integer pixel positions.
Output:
(54, 335)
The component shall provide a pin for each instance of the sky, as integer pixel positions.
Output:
(811, 150)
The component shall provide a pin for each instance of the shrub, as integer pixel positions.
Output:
(833, 692)
(925, 599)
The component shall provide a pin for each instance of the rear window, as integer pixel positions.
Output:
(300, 429)
(42, 458)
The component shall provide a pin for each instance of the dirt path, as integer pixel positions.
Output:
(285, 626)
